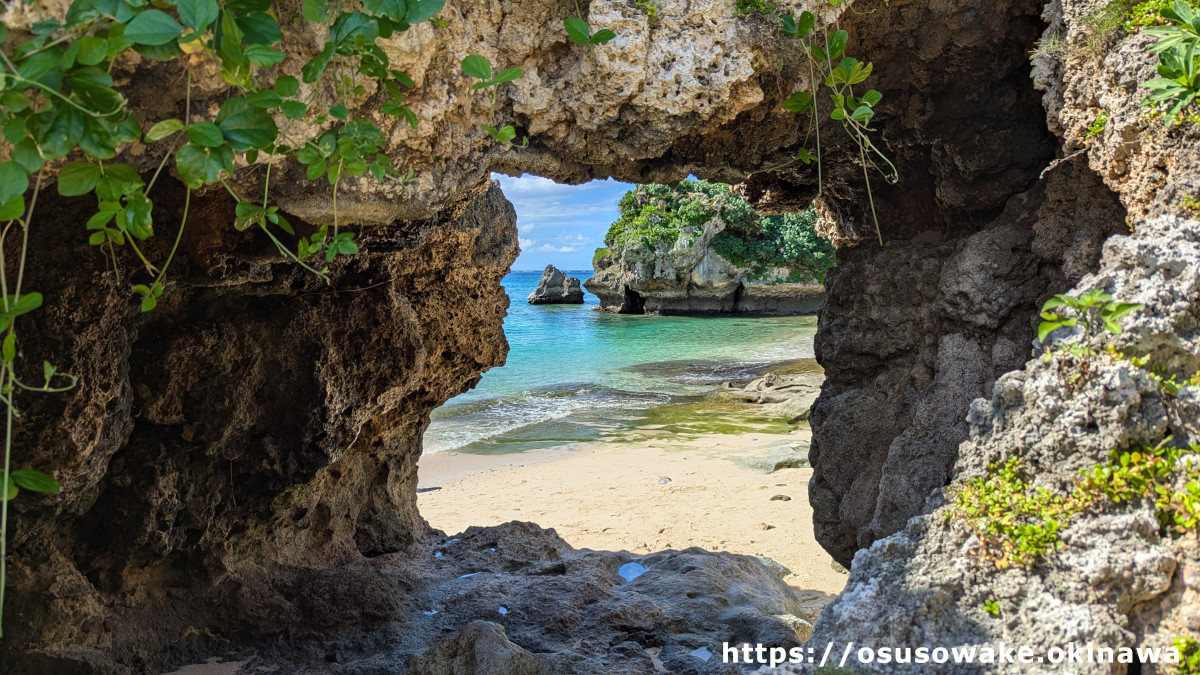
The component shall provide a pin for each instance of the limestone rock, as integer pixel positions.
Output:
(556, 288)
(1117, 581)
(690, 278)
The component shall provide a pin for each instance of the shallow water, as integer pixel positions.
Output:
(574, 374)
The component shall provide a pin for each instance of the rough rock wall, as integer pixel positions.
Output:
(911, 333)
(1119, 580)
(227, 452)
(974, 242)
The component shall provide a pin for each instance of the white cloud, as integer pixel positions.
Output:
(551, 248)
(527, 228)
(526, 244)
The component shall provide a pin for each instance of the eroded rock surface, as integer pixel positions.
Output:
(229, 454)
(1119, 579)
(556, 288)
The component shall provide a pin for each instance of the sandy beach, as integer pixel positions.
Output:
(655, 491)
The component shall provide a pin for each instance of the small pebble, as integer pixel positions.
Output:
(765, 527)
(664, 479)
(781, 498)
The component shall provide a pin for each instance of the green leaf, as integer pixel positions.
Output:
(396, 9)
(10, 488)
(798, 102)
(805, 25)
(197, 14)
(287, 86)
(14, 180)
(92, 50)
(423, 10)
(263, 56)
(602, 36)
(205, 134)
(837, 43)
(312, 70)
(199, 166)
(339, 112)
(315, 11)
(510, 74)
(259, 28)
(294, 110)
(78, 178)
(1045, 328)
(477, 66)
(351, 25)
(26, 154)
(163, 129)
(152, 27)
(872, 98)
(48, 370)
(265, 99)
(149, 302)
(245, 126)
(12, 209)
(578, 30)
(36, 481)
(10, 347)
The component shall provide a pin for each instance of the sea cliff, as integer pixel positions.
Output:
(697, 248)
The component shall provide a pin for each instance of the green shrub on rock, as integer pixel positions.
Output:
(658, 216)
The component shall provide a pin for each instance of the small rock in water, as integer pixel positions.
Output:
(702, 653)
(664, 479)
(503, 611)
(781, 498)
(631, 570)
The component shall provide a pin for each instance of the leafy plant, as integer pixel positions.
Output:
(656, 216)
(1017, 523)
(1189, 655)
(747, 7)
(992, 607)
(580, 32)
(651, 10)
(1159, 475)
(480, 68)
(1178, 50)
(853, 112)
(1098, 125)
(1094, 311)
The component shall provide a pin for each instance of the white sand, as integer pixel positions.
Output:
(609, 496)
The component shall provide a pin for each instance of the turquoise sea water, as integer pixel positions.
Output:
(575, 374)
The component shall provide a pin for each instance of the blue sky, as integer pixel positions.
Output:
(561, 225)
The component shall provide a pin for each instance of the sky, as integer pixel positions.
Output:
(561, 225)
